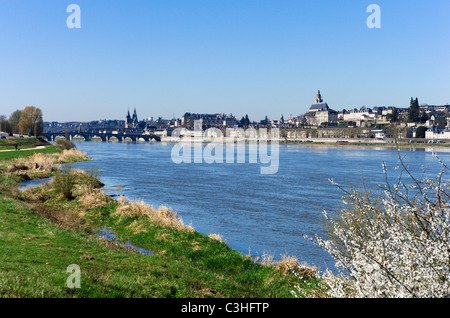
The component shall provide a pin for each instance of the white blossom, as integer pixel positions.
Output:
(396, 244)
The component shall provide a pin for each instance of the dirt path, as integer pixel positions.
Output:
(38, 147)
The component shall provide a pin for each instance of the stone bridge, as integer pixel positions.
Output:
(105, 137)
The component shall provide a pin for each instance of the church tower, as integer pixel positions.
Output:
(131, 122)
(134, 120)
(128, 122)
(318, 99)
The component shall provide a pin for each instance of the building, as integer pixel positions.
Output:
(378, 134)
(358, 116)
(320, 113)
(209, 120)
(427, 108)
(435, 133)
(442, 108)
(431, 121)
(131, 122)
(229, 121)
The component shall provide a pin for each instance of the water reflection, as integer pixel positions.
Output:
(33, 183)
(109, 235)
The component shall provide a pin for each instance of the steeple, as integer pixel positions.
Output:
(318, 98)
(135, 118)
(128, 121)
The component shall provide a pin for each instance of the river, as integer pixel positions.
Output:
(255, 213)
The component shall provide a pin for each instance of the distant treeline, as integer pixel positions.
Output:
(23, 122)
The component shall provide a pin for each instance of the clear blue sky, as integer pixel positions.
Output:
(255, 57)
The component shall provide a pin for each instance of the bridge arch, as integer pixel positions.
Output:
(128, 138)
(86, 137)
(59, 136)
(98, 136)
(79, 136)
(143, 138)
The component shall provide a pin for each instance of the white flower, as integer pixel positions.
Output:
(395, 245)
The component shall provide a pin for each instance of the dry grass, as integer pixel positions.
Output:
(163, 216)
(217, 237)
(42, 164)
(37, 162)
(91, 198)
(267, 259)
(288, 264)
(87, 192)
(69, 155)
(34, 194)
(66, 219)
(45, 162)
(304, 270)
(137, 227)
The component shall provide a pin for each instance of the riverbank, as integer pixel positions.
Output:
(47, 228)
(387, 142)
(370, 142)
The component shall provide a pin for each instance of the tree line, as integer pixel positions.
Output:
(23, 122)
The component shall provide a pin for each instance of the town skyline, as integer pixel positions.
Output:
(147, 116)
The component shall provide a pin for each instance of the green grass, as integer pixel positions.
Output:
(36, 254)
(209, 264)
(7, 155)
(41, 234)
(22, 143)
(10, 181)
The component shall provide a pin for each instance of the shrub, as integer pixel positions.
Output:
(79, 183)
(420, 132)
(64, 144)
(64, 181)
(394, 244)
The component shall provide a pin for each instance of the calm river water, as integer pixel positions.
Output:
(254, 213)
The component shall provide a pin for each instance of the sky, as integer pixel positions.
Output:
(255, 57)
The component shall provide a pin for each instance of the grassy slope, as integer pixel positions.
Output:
(24, 145)
(21, 142)
(37, 254)
(42, 234)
